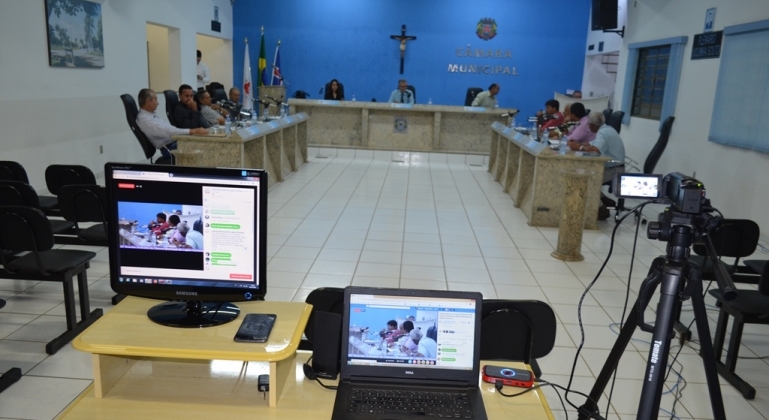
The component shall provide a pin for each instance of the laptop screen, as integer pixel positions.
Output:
(423, 330)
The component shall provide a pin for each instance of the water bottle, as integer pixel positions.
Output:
(253, 117)
(496, 105)
(227, 125)
(512, 122)
(353, 98)
(283, 110)
(429, 101)
(563, 146)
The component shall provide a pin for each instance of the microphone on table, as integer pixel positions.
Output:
(510, 114)
(320, 92)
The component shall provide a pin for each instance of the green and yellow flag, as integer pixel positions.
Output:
(262, 79)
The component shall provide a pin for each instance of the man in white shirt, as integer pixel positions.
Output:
(158, 130)
(204, 77)
(193, 238)
(487, 98)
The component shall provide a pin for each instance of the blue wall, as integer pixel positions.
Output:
(350, 40)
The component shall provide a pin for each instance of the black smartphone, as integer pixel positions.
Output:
(255, 328)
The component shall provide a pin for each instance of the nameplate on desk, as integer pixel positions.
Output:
(517, 136)
(327, 102)
(475, 109)
(506, 131)
(498, 125)
(301, 116)
(248, 131)
(273, 124)
(289, 119)
(397, 105)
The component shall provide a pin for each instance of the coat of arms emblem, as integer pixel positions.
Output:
(486, 29)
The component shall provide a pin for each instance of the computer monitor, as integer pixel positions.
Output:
(194, 236)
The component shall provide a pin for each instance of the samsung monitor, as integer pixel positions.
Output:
(194, 236)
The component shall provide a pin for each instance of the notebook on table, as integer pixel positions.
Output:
(410, 354)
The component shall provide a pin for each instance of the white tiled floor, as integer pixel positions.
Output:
(415, 220)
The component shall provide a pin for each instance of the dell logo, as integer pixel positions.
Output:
(409, 372)
(179, 292)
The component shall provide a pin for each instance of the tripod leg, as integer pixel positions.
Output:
(591, 405)
(654, 378)
(650, 283)
(706, 351)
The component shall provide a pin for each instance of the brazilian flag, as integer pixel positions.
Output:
(262, 78)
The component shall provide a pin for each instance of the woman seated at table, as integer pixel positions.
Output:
(213, 117)
(334, 92)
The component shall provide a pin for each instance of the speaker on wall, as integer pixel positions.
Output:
(604, 14)
(327, 343)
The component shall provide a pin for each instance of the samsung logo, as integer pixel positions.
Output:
(409, 372)
(186, 293)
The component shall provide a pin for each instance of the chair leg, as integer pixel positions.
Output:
(117, 298)
(9, 378)
(718, 339)
(535, 368)
(726, 370)
(74, 328)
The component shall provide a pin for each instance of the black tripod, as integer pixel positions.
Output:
(679, 280)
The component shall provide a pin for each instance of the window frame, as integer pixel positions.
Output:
(672, 75)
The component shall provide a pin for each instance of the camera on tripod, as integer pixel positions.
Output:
(684, 193)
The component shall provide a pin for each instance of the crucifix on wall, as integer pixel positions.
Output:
(403, 38)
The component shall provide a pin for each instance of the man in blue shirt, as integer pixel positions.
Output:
(402, 95)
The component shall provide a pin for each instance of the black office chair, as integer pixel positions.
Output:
(519, 330)
(171, 100)
(413, 92)
(57, 176)
(733, 238)
(606, 114)
(472, 92)
(27, 229)
(300, 94)
(85, 204)
(131, 112)
(13, 171)
(651, 160)
(219, 95)
(615, 120)
(750, 307)
(324, 299)
(13, 374)
(339, 90)
(15, 193)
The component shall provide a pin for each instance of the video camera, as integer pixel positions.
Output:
(685, 194)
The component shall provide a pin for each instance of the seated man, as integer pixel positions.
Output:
(487, 98)
(581, 133)
(607, 142)
(186, 112)
(192, 238)
(160, 225)
(552, 117)
(158, 130)
(402, 95)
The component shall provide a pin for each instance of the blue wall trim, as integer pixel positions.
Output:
(747, 27)
(350, 40)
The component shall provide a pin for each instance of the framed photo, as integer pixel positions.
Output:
(74, 33)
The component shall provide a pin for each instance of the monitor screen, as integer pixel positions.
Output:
(186, 233)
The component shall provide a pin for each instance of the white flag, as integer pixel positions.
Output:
(248, 88)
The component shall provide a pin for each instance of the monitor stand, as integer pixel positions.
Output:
(193, 314)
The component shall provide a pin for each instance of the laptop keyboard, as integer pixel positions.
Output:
(377, 402)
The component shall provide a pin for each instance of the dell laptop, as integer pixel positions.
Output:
(410, 354)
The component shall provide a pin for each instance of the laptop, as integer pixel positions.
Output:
(410, 354)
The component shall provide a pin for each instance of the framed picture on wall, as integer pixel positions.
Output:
(74, 33)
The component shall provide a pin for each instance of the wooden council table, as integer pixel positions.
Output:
(278, 146)
(532, 174)
(125, 335)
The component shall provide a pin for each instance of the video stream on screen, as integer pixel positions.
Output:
(210, 237)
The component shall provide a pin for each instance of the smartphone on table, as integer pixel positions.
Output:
(508, 376)
(255, 328)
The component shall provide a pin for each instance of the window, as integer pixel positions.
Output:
(651, 78)
(742, 90)
(650, 82)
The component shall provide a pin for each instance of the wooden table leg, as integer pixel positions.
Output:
(279, 372)
(107, 370)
